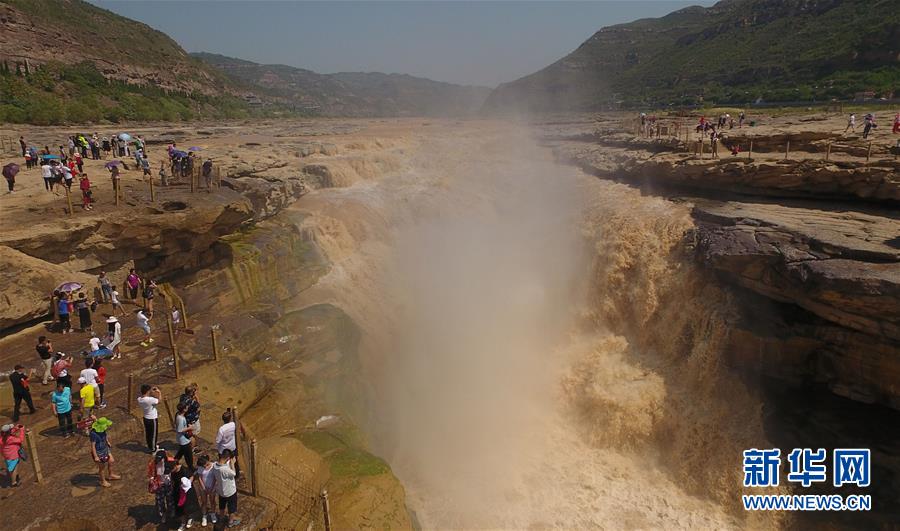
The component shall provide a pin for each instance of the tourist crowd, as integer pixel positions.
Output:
(64, 166)
(187, 484)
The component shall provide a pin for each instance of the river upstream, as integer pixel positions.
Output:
(536, 352)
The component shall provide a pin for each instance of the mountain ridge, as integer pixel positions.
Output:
(349, 93)
(733, 51)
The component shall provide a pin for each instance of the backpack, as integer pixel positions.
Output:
(56, 369)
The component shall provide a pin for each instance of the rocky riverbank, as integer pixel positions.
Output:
(809, 244)
(236, 255)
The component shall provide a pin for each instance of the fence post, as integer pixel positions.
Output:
(32, 452)
(828, 151)
(184, 316)
(869, 152)
(237, 434)
(116, 185)
(69, 199)
(750, 152)
(152, 195)
(130, 393)
(192, 179)
(787, 148)
(215, 344)
(169, 412)
(326, 514)
(172, 344)
(254, 478)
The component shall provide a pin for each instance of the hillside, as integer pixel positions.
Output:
(70, 61)
(735, 51)
(349, 93)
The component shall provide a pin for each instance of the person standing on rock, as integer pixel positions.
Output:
(11, 439)
(23, 145)
(192, 408)
(207, 173)
(101, 380)
(143, 322)
(100, 451)
(85, 186)
(88, 395)
(60, 370)
(134, 282)
(714, 143)
(47, 174)
(106, 287)
(183, 436)
(21, 390)
(870, 124)
(114, 331)
(61, 405)
(116, 303)
(225, 439)
(149, 399)
(226, 487)
(149, 294)
(851, 123)
(45, 353)
(83, 306)
(205, 488)
(64, 321)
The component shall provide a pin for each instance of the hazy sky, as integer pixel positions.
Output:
(482, 43)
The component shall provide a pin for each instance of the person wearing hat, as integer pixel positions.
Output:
(114, 331)
(100, 450)
(185, 499)
(19, 380)
(11, 439)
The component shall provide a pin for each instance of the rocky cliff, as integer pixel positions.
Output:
(809, 246)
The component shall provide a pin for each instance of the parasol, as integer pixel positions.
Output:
(195, 148)
(68, 287)
(125, 137)
(10, 170)
(109, 165)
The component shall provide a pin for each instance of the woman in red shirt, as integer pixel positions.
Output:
(101, 379)
(11, 439)
(85, 185)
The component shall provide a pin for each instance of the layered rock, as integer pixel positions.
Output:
(810, 247)
(637, 162)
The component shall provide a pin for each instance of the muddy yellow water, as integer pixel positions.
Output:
(534, 351)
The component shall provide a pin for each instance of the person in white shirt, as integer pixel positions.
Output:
(95, 343)
(89, 374)
(225, 438)
(116, 304)
(114, 334)
(150, 397)
(47, 174)
(143, 322)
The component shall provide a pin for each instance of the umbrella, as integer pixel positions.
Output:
(125, 137)
(68, 287)
(112, 163)
(10, 170)
(195, 148)
(176, 154)
(50, 156)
